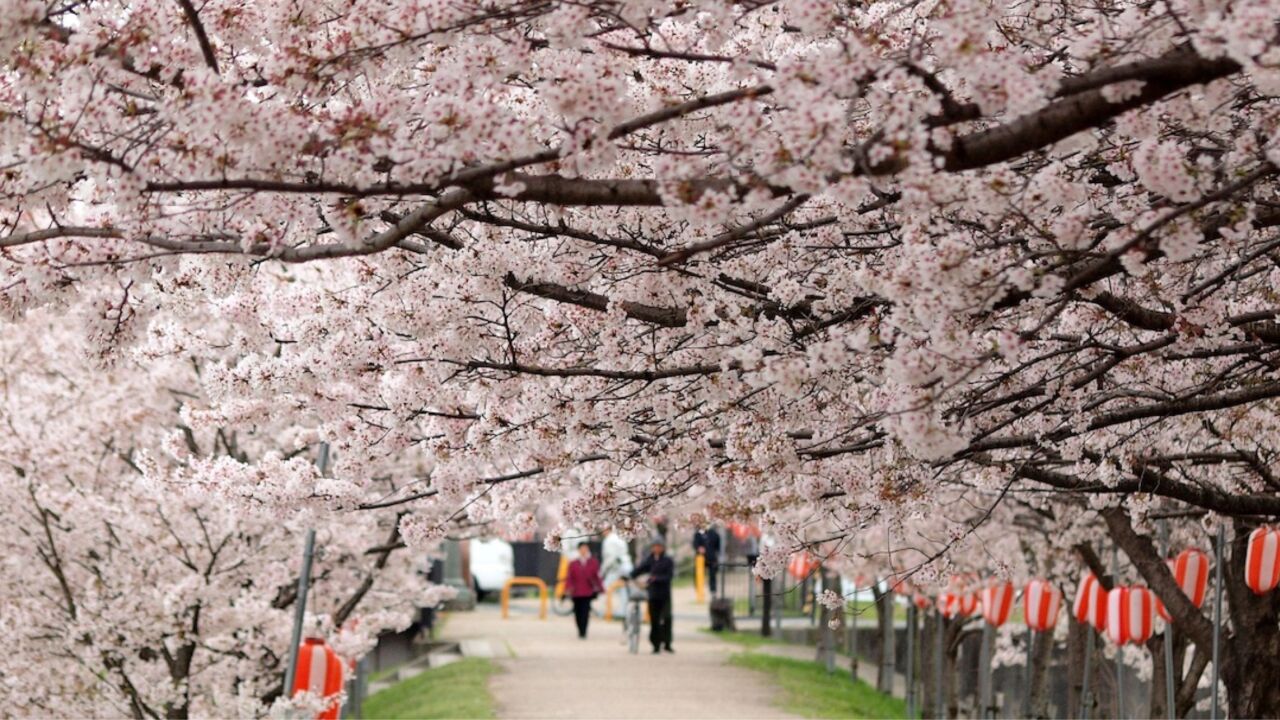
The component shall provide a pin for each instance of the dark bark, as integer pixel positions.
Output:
(954, 635)
(1076, 633)
(1252, 674)
(928, 666)
(1041, 657)
(1177, 69)
(1156, 696)
(1250, 638)
(766, 609)
(888, 648)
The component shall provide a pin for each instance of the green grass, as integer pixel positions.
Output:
(866, 610)
(741, 607)
(745, 639)
(457, 690)
(809, 691)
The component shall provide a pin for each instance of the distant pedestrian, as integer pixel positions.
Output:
(582, 583)
(661, 570)
(707, 544)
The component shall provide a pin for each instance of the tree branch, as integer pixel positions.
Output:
(206, 47)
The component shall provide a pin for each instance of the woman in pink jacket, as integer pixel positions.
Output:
(582, 583)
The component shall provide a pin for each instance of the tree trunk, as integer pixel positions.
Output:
(928, 667)
(854, 641)
(1250, 638)
(1156, 698)
(1250, 676)
(1041, 656)
(1186, 698)
(888, 644)
(954, 635)
(766, 607)
(826, 650)
(1075, 664)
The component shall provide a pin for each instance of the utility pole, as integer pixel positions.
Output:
(304, 581)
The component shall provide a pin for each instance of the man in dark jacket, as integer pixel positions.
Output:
(707, 544)
(661, 571)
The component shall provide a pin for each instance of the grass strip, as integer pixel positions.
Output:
(457, 690)
(808, 690)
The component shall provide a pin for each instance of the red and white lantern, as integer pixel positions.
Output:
(1040, 604)
(957, 603)
(921, 601)
(1191, 571)
(900, 586)
(947, 604)
(997, 600)
(1091, 603)
(319, 672)
(801, 565)
(1262, 563)
(1130, 615)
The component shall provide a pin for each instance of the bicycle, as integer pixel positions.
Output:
(636, 597)
(562, 604)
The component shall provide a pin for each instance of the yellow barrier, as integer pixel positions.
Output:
(561, 573)
(615, 586)
(700, 578)
(530, 581)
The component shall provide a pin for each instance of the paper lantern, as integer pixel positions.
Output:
(319, 672)
(742, 531)
(1040, 604)
(921, 601)
(997, 600)
(947, 605)
(957, 604)
(801, 565)
(1091, 602)
(1191, 571)
(1130, 613)
(901, 587)
(1262, 563)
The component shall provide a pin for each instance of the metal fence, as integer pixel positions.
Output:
(791, 598)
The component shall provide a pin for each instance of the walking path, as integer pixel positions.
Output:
(549, 673)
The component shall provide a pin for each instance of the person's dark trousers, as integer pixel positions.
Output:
(660, 618)
(581, 614)
(712, 570)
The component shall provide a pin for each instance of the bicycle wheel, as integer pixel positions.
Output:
(633, 628)
(562, 606)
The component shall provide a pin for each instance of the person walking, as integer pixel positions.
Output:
(582, 584)
(707, 544)
(661, 571)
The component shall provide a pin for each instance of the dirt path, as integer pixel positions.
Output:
(550, 673)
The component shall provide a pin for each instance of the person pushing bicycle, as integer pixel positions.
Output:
(661, 571)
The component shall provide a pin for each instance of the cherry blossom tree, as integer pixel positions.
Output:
(121, 596)
(828, 263)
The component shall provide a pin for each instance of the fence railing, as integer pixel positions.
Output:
(790, 598)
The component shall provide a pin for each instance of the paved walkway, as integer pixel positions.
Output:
(549, 673)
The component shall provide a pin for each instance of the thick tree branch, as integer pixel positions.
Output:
(1176, 70)
(202, 37)
(1142, 553)
(672, 317)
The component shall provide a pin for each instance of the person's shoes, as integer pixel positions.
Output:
(656, 651)
(668, 649)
